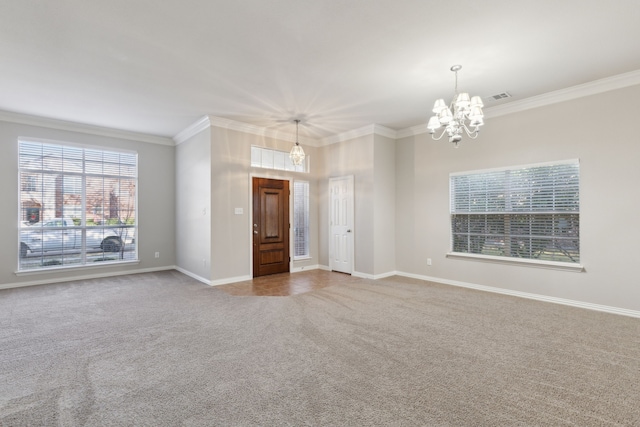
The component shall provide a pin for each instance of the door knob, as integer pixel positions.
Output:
(349, 231)
(255, 231)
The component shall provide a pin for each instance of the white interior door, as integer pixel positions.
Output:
(341, 224)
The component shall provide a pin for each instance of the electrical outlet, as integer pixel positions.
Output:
(428, 261)
(157, 254)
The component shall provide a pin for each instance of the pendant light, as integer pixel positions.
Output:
(297, 153)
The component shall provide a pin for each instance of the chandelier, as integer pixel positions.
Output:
(297, 153)
(463, 115)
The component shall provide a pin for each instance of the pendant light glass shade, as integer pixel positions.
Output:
(297, 153)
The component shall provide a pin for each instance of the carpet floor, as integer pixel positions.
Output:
(161, 349)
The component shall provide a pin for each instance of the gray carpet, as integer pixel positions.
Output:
(161, 349)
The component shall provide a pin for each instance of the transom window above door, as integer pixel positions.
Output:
(268, 158)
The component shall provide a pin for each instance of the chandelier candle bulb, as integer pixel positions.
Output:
(463, 116)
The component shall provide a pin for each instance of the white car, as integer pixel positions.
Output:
(60, 234)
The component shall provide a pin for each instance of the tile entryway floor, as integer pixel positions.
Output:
(286, 284)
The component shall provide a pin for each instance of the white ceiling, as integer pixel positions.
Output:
(156, 67)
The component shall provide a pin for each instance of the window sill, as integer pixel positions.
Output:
(301, 258)
(50, 270)
(554, 265)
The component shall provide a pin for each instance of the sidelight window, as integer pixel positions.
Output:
(301, 219)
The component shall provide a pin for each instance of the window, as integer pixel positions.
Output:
(77, 205)
(28, 183)
(529, 212)
(301, 219)
(274, 159)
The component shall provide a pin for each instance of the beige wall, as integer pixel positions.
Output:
(406, 213)
(371, 160)
(401, 199)
(193, 205)
(608, 151)
(352, 157)
(230, 184)
(156, 202)
(384, 209)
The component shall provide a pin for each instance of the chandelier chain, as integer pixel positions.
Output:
(456, 86)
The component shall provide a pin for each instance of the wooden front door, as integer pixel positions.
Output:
(270, 226)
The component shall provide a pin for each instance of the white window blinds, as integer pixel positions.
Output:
(301, 219)
(521, 212)
(77, 205)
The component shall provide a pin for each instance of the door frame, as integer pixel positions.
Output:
(352, 220)
(250, 216)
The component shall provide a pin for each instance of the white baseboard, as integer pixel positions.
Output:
(537, 297)
(362, 275)
(85, 277)
(384, 275)
(305, 268)
(373, 276)
(229, 280)
(193, 276)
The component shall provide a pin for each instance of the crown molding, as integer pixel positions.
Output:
(412, 131)
(591, 88)
(259, 131)
(579, 91)
(207, 122)
(357, 133)
(385, 131)
(192, 130)
(25, 119)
